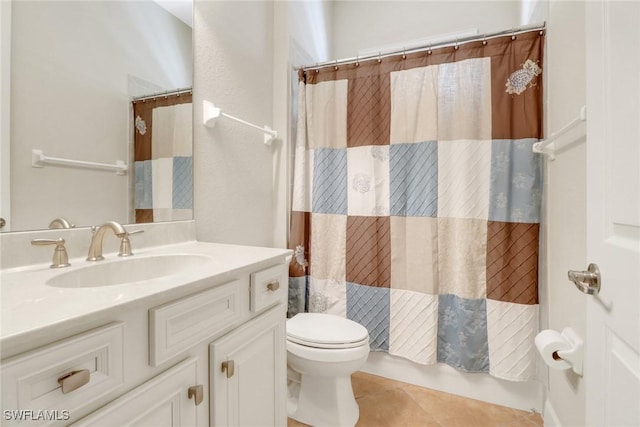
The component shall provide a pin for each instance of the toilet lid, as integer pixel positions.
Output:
(325, 331)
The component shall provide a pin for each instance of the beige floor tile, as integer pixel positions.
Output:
(365, 384)
(392, 408)
(452, 411)
(387, 403)
(536, 419)
(530, 419)
(294, 423)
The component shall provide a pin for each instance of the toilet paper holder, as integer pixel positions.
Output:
(574, 355)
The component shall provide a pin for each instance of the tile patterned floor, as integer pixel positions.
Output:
(388, 403)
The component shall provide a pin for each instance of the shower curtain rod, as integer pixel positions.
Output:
(163, 94)
(452, 42)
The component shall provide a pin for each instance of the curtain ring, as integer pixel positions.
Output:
(317, 68)
(456, 47)
(336, 66)
(379, 57)
(357, 61)
(429, 51)
(484, 40)
(404, 53)
(513, 34)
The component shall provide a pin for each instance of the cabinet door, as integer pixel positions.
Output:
(161, 401)
(248, 374)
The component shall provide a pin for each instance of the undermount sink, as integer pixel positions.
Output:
(130, 270)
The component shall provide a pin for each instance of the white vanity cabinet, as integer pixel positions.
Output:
(211, 353)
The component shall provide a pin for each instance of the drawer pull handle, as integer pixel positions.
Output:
(196, 391)
(273, 286)
(74, 380)
(229, 368)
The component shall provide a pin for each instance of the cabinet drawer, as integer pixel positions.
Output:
(268, 287)
(30, 381)
(179, 325)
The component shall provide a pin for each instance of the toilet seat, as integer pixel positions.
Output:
(328, 346)
(326, 331)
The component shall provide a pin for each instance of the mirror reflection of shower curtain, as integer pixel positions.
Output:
(163, 150)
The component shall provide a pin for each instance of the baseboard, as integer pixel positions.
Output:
(525, 396)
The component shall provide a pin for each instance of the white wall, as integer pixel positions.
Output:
(360, 25)
(69, 97)
(243, 64)
(233, 169)
(564, 223)
(310, 25)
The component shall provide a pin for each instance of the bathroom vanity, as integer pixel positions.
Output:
(189, 334)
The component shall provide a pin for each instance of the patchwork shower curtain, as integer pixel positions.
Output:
(416, 202)
(163, 168)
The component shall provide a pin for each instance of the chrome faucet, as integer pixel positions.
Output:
(95, 248)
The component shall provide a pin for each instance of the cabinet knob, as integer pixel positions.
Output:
(197, 392)
(273, 286)
(74, 380)
(229, 368)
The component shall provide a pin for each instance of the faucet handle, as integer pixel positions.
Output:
(60, 257)
(125, 244)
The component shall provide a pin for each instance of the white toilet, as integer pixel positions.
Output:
(323, 351)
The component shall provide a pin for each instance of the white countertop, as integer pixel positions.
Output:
(27, 304)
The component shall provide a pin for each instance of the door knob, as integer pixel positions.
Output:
(587, 281)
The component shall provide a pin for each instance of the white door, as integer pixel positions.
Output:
(612, 373)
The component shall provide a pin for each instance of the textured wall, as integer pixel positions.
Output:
(233, 50)
(244, 53)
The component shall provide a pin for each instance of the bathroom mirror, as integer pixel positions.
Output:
(74, 68)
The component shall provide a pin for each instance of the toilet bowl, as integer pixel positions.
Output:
(323, 351)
